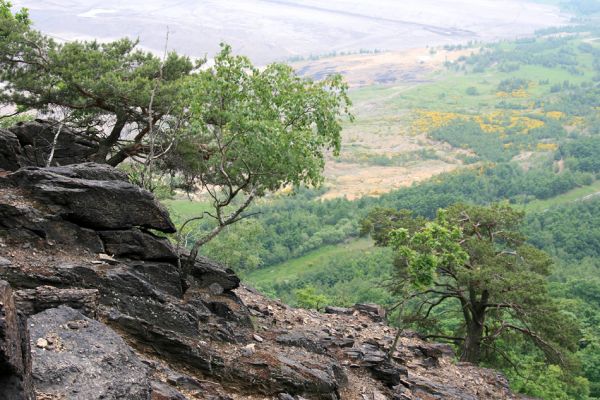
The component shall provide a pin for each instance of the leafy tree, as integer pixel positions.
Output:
(473, 259)
(252, 131)
(308, 297)
(550, 382)
(380, 221)
(118, 95)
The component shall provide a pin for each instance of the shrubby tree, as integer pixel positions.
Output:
(380, 222)
(252, 131)
(308, 297)
(473, 260)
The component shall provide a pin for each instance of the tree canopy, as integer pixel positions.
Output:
(473, 260)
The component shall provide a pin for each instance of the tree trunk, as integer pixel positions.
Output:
(107, 144)
(472, 346)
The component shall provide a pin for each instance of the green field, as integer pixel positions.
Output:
(185, 209)
(295, 268)
(577, 194)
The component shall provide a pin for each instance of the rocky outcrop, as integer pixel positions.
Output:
(34, 141)
(15, 360)
(417, 370)
(106, 298)
(70, 194)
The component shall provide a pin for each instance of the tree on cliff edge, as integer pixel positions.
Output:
(472, 261)
(232, 130)
(252, 131)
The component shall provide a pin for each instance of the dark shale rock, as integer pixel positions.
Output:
(205, 272)
(184, 382)
(137, 244)
(69, 234)
(171, 345)
(84, 359)
(164, 275)
(134, 301)
(24, 222)
(161, 391)
(121, 288)
(143, 298)
(33, 301)
(90, 171)
(95, 204)
(337, 341)
(338, 310)
(426, 389)
(11, 158)
(15, 360)
(21, 222)
(436, 350)
(371, 354)
(36, 139)
(389, 373)
(302, 339)
(375, 311)
(277, 373)
(372, 357)
(228, 307)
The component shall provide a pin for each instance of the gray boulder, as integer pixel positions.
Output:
(338, 310)
(316, 377)
(305, 340)
(161, 391)
(33, 301)
(206, 272)
(137, 244)
(81, 358)
(374, 311)
(91, 171)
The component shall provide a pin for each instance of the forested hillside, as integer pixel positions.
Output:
(522, 118)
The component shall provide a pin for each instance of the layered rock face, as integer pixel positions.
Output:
(111, 316)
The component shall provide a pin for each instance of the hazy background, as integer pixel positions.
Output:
(274, 30)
